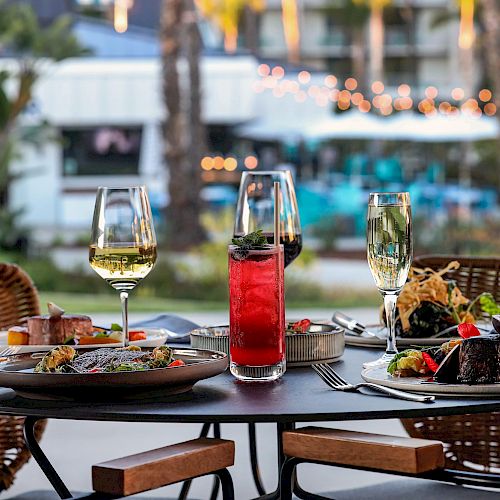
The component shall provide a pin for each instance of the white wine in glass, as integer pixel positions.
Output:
(390, 252)
(123, 243)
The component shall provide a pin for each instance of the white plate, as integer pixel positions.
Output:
(155, 338)
(379, 375)
(361, 341)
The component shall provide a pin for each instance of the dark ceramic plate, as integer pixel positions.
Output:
(17, 373)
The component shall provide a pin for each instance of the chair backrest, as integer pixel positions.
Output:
(472, 442)
(18, 296)
(475, 275)
(18, 300)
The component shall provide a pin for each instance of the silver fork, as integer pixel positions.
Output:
(336, 382)
(10, 351)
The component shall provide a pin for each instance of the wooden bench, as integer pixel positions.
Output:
(156, 468)
(376, 452)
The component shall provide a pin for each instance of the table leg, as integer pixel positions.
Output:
(252, 438)
(42, 460)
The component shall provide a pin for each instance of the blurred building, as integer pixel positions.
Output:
(420, 40)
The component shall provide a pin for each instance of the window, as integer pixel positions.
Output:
(102, 150)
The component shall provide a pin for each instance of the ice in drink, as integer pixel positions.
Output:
(257, 312)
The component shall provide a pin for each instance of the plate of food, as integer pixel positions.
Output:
(42, 332)
(467, 366)
(429, 310)
(110, 372)
(307, 341)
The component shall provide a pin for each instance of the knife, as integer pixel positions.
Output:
(353, 325)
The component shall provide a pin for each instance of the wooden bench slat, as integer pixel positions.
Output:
(163, 466)
(358, 449)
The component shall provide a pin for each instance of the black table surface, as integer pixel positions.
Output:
(300, 396)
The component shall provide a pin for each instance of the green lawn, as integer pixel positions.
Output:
(88, 303)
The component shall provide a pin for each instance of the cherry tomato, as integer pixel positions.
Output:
(135, 335)
(177, 362)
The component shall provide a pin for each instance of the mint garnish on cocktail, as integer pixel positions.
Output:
(251, 241)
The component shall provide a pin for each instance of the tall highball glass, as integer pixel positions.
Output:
(390, 252)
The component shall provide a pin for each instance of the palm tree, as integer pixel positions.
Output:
(490, 17)
(184, 132)
(23, 37)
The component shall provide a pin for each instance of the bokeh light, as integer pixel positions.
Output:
(357, 98)
(365, 106)
(404, 90)
(207, 163)
(304, 77)
(330, 81)
(251, 162)
(230, 163)
(351, 83)
(278, 72)
(218, 162)
(263, 70)
(377, 87)
(490, 109)
(457, 93)
(431, 92)
(485, 95)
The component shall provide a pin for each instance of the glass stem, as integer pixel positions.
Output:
(390, 301)
(124, 301)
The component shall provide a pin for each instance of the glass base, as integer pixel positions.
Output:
(266, 373)
(384, 360)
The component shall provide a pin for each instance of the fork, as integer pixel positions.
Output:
(336, 382)
(10, 351)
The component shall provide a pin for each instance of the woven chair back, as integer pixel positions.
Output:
(472, 442)
(18, 300)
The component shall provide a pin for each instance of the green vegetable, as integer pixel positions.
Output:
(116, 327)
(488, 304)
(129, 367)
(251, 240)
(101, 335)
(393, 365)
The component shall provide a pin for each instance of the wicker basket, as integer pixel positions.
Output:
(18, 300)
(472, 442)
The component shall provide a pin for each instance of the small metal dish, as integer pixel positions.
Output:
(324, 343)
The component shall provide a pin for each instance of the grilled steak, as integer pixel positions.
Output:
(479, 361)
(47, 330)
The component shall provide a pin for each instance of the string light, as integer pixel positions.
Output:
(230, 164)
(274, 79)
(218, 162)
(207, 163)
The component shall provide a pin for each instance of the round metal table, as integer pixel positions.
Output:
(300, 396)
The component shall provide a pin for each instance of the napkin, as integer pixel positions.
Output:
(177, 328)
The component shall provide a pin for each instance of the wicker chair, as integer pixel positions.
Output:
(18, 300)
(472, 442)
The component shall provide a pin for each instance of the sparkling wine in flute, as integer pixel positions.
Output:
(389, 252)
(122, 266)
(389, 246)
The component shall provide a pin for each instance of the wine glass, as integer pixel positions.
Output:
(123, 243)
(255, 210)
(390, 251)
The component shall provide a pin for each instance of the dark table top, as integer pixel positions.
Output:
(300, 396)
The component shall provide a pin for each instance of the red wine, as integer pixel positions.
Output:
(292, 246)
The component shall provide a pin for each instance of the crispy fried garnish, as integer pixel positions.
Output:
(427, 285)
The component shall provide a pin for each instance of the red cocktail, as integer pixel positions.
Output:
(257, 312)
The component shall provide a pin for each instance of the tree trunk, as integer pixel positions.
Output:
(376, 43)
(251, 29)
(182, 134)
(490, 14)
(358, 58)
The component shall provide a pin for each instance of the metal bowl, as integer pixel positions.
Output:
(323, 343)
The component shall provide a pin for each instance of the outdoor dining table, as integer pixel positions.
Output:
(300, 396)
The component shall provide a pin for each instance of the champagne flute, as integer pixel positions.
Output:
(390, 251)
(123, 243)
(255, 209)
